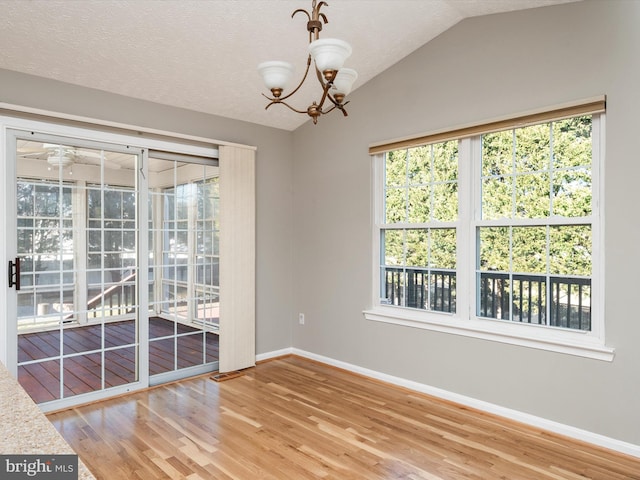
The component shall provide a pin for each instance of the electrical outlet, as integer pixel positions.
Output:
(301, 318)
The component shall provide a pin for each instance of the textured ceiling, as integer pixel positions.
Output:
(202, 54)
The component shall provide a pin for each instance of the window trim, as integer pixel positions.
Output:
(465, 322)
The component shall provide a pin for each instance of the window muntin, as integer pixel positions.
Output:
(418, 237)
(534, 189)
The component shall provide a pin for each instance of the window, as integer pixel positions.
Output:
(418, 237)
(191, 249)
(492, 232)
(534, 261)
(45, 226)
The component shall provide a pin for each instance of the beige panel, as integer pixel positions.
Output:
(237, 258)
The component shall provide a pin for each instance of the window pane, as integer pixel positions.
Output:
(443, 248)
(445, 161)
(533, 148)
(129, 240)
(112, 205)
(419, 165)
(495, 295)
(129, 205)
(445, 202)
(572, 145)
(572, 193)
(393, 247)
(529, 299)
(113, 240)
(396, 168)
(47, 201)
(497, 154)
(46, 241)
(570, 250)
(419, 205)
(571, 303)
(494, 249)
(417, 248)
(532, 196)
(25, 200)
(530, 249)
(395, 207)
(393, 286)
(497, 198)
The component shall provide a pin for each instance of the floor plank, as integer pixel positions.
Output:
(293, 418)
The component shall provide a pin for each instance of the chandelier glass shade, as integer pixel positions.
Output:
(328, 56)
(276, 74)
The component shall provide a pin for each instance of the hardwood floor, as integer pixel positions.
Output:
(82, 373)
(293, 418)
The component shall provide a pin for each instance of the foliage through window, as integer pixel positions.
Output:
(419, 237)
(527, 226)
(534, 239)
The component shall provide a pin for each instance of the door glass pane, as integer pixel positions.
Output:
(183, 265)
(77, 311)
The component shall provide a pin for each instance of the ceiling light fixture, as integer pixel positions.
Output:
(329, 55)
(59, 155)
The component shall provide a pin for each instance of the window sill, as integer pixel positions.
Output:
(533, 336)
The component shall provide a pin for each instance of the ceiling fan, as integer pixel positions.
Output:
(61, 156)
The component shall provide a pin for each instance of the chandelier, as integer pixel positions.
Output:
(329, 55)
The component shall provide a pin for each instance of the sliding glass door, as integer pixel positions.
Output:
(116, 267)
(184, 297)
(77, 311)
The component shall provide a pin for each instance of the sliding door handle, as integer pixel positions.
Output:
(14, 273)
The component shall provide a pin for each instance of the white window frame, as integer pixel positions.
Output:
(464, 321)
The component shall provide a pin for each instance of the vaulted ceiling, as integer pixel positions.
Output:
(202, 54)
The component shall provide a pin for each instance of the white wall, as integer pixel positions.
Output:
(482, 68)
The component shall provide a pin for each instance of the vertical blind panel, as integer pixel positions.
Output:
(237, 258)
(585, 107)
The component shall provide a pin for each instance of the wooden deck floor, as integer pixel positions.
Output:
(82, 373)
(292, 418)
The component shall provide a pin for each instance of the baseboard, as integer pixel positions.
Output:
(528, 419)
(261, 357)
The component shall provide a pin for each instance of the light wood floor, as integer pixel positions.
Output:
(292, 418)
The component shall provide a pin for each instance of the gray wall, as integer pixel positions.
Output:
(480, 69)
(273, 178)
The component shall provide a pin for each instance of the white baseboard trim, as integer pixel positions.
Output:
(528, 419)
(274, 354)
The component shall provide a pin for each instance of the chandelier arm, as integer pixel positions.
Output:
(334, 101)
(301, 81)
(325, 94)
(291, 108)
(275, 101)
(339, 106)
(330, 110)
(317, 9)
(326, 86)
(303, 11)
(344, 112)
